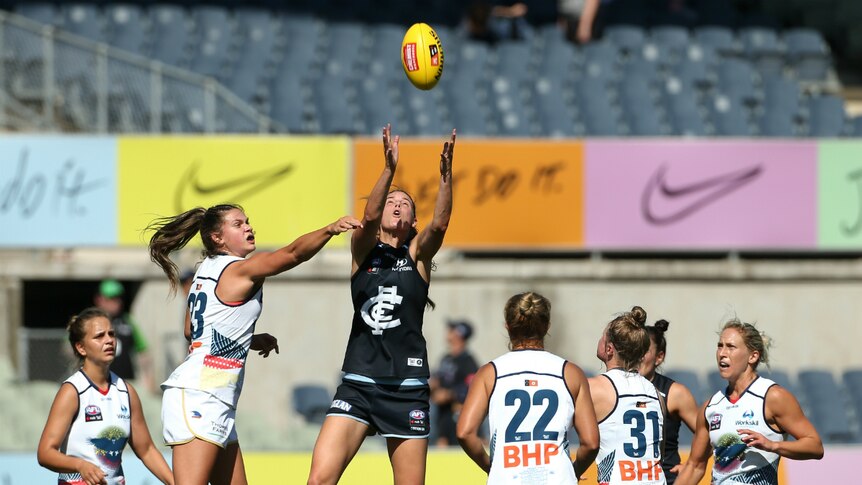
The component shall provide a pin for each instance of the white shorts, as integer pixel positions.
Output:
(188, 414)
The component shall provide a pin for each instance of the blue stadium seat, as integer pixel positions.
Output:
(719, 38)
(684, 114)
(290, 103)
(694, 75)
(729, 117)
(377, 100)
(344, 47)
(558, 61)
(826, 116)
(214, 51)
(172, 35)
(128, 28)
(672, 39)
(782, 97)
(44, 12)
(311, 401)
(715, 383)
(777, 124)
(809, 54)
(336, 109)
(739, 82)
(600, 61)
(467, 106)
(555, 113)
(258, 35)
(514, 61)
(856, 126)
(85, 20)
(826, 405)
(627, 38)
(763, 47)
(426, 112)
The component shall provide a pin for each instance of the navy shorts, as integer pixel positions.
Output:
(392, 411)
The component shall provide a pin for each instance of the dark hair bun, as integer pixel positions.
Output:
(639, 315)
(662, 325)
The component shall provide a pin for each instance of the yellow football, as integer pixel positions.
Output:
(422, 56)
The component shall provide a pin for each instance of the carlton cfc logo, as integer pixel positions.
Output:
(377, 311)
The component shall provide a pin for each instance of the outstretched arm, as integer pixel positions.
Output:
(473, 414)
(242, 278)
(142, 444)
(365, 237)
(428, 241)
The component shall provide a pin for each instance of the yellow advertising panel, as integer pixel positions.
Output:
(444, 467)
(507, 193)
(287, 186)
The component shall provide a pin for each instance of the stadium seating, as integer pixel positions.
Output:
(705, 81)
(825, 405)
(311, 401)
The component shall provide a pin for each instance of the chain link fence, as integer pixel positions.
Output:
(61, 82)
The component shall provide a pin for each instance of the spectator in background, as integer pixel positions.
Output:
(577, 19)
(490, 22)
(450, 383)
(132, 361)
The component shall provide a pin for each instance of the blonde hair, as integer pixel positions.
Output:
(630, 338)
(528, 318)
(754, 339)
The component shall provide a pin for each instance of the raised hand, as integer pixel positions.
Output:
(343, 224)
(390, 147)
(446, 157)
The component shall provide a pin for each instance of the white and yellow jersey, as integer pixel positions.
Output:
(221, 336)
(530, 411)
(631, 436)
(736, 463)
(100, 429)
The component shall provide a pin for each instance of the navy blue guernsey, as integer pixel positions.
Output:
(671, 430)
(389, 299)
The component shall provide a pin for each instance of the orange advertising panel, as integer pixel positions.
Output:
(508, 194)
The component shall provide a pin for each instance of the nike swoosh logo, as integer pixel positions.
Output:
(712, 189)
(239, 187)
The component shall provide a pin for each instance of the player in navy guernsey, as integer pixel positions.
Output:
(746, 423)
(385, 384)
(95, 414)
(681, 406)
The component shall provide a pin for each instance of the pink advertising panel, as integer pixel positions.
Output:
(701, 194)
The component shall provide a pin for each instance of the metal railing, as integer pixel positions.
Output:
(74, 84)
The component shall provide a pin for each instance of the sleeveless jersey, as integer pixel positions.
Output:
(671, 430)
(100, 428)
(221, 336)
(630, 437)
(530, 411)
(388, 309)
(736, 463)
